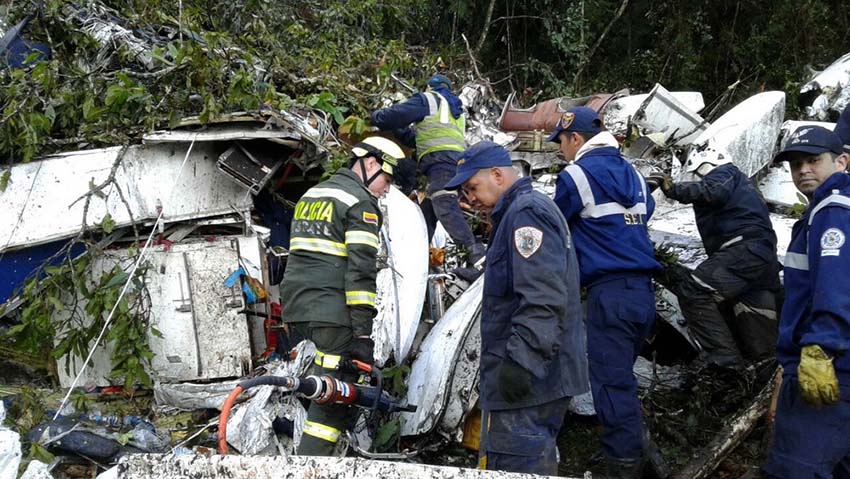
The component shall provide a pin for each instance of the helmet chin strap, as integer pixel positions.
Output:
(367, 181)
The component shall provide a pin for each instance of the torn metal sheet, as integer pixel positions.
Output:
(37, 470)
(545, 115)
(429, 385)
(618, 113)
(747, 133)
(190, 306)
(657, 376)
(662, 112)
(463, 392)
(401, 285)
(158, 466)
(10, 448)
(193, 396)
(98, 22)
(827, 93)
(482, 114)
(43, 201)
(249, 429)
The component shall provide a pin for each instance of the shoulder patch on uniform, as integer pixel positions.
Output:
(370, 218)
(832, 239)
(527, 240)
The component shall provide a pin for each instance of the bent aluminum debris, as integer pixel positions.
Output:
(827, 93)
(747, 133)
(432, 373)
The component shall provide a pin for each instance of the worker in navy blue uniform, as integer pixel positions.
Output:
(438, 135)
(812, 429)
(741, 270)
(533, 356)
(606, 204)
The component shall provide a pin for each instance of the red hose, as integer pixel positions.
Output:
(222, 420)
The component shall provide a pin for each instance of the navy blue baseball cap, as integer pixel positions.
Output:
(580, 119)
(484, 154)
(812, 140)
(440, 80)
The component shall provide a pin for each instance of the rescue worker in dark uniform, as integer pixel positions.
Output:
(438, 128)
(741, 268)
(533, 356)
(811, 436)
(606, 204)
(328, 289)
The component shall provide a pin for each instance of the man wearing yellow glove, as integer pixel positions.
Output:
(812, 430)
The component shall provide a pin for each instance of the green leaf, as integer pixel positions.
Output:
(387, 437)
(54, 301)
(107, 224)
(4, 180)
(119, 279)
(39, 453)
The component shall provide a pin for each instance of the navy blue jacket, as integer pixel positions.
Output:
(532, 310)
(399, 117)
(727, 205)
(606, 204)
(817, 281)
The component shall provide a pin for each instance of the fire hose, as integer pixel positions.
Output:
(322, 389)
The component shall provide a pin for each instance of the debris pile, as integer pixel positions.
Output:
(141, 279)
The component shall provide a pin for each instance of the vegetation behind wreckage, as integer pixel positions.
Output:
(212, 57)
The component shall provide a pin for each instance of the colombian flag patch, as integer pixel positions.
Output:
(370, 218)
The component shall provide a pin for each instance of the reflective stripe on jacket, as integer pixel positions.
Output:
(439, 131)
(330, 274)
(817, 278)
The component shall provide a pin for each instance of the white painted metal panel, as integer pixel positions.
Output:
(429, 385)
(661, 112)
(203, 337)
(747, 133)
(832, 85)
(400, 286)
(618, 112)
(42, 193)
(158, 466)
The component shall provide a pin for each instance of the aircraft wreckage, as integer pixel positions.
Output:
(201, 195)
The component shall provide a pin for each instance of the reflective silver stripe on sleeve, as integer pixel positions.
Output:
(432, 103)
(347, 198)
(591, 209)
(439, 193)
(834, 198)
(796, 261)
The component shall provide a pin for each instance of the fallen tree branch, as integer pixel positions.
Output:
(596, 45)
(709, 457)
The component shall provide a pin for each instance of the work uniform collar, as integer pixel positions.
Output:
(521, 185)
(346, 172)
(838, 181)
(602, 139)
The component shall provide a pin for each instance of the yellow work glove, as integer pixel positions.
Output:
(816, 376)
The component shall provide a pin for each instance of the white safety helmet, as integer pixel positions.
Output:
(387, 152)
(702, 161)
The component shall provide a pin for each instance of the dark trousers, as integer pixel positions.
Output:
(809, 442)
(522, 440)
(445, 203)
(326, 423)
(620, 316)
(743, 281)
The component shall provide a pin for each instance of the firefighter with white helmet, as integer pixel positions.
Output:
(328, 289)
(741, 270)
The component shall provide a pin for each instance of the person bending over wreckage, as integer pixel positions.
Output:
(329, 287)
(438, 135)
(533, 356)
(741, 271)
(812, 429)
(606, 204)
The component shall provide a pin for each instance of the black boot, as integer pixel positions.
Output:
(624, 468)
(656, 466)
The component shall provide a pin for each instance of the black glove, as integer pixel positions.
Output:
(514, 381)
(363, 349)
